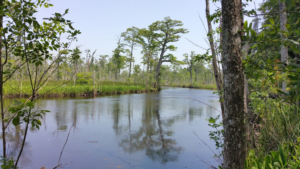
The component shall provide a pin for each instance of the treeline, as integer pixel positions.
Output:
(87, 67)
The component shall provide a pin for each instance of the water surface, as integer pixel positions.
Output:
(142, 131)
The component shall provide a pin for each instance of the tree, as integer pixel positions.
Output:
(31, 42)
(60, 60)
(166, 31)
(146, 38)
(234, 129)
(217, 73)
(89, 58)
(102, 62)
(74, 57)
(191, 63)
(136, 71)
(119, 59)
(130, 41)
(284, 49)
(1, 78)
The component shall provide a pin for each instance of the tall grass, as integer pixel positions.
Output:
(55, 87)
(278, 123)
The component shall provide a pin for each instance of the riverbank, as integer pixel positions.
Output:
(210, 87)
(16, 89)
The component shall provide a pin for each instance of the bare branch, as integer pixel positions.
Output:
(58, 164)
(9, 76)
(202, 23)
(195, 44)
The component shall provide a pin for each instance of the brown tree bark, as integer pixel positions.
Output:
(234, 128)
(159, 65)
(217, 74)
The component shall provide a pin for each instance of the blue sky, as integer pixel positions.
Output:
(101, 21)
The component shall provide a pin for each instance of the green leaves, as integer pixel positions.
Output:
(16, 121)
(217, 135)
(25, 112)
(36, 123)
(7, 163)
(204, 57)
(272, 21)
(279, 159)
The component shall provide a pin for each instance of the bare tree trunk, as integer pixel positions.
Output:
(217, 74)
(57, 76)
(234, 128)
(147, 71)
(191, 77)
(1, 87)
(75, 73)
(284, 50)
(119, 75)
(94, 80)
(21, 81)
(100, 72)
(131, 51)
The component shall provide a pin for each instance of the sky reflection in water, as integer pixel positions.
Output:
(153, 130)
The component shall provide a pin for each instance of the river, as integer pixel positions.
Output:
(132, 131)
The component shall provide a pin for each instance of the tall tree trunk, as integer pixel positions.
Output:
(191, 77)
(94, 81)
(234, 128)
(147, 71)
(1, 86)
(57, 76)
(21, 81)
(217, 74)
(245, 50)
(196, 75)
(284, 50)
(119, 75)
(131, 53)
(100, 73)
(75, 73)
(159, 65)
(157, 74)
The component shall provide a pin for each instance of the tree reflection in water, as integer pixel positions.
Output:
(147, 128)
(151, 137)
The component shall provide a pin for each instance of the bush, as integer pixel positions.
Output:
(286, 157)
(84, 78)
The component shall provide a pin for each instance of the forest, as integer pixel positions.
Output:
(252, 65)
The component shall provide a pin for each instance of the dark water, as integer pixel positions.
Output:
(134, 131)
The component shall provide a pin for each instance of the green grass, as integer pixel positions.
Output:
(200, 86)
(55, 87)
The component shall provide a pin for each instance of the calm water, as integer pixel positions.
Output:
(134, 131)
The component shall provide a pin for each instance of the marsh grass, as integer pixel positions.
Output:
(66, 88)
(198, 86)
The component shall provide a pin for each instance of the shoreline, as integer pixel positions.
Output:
(193, 87)
(76, 95)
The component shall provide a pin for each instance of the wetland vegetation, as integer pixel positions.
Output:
(252, 62)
